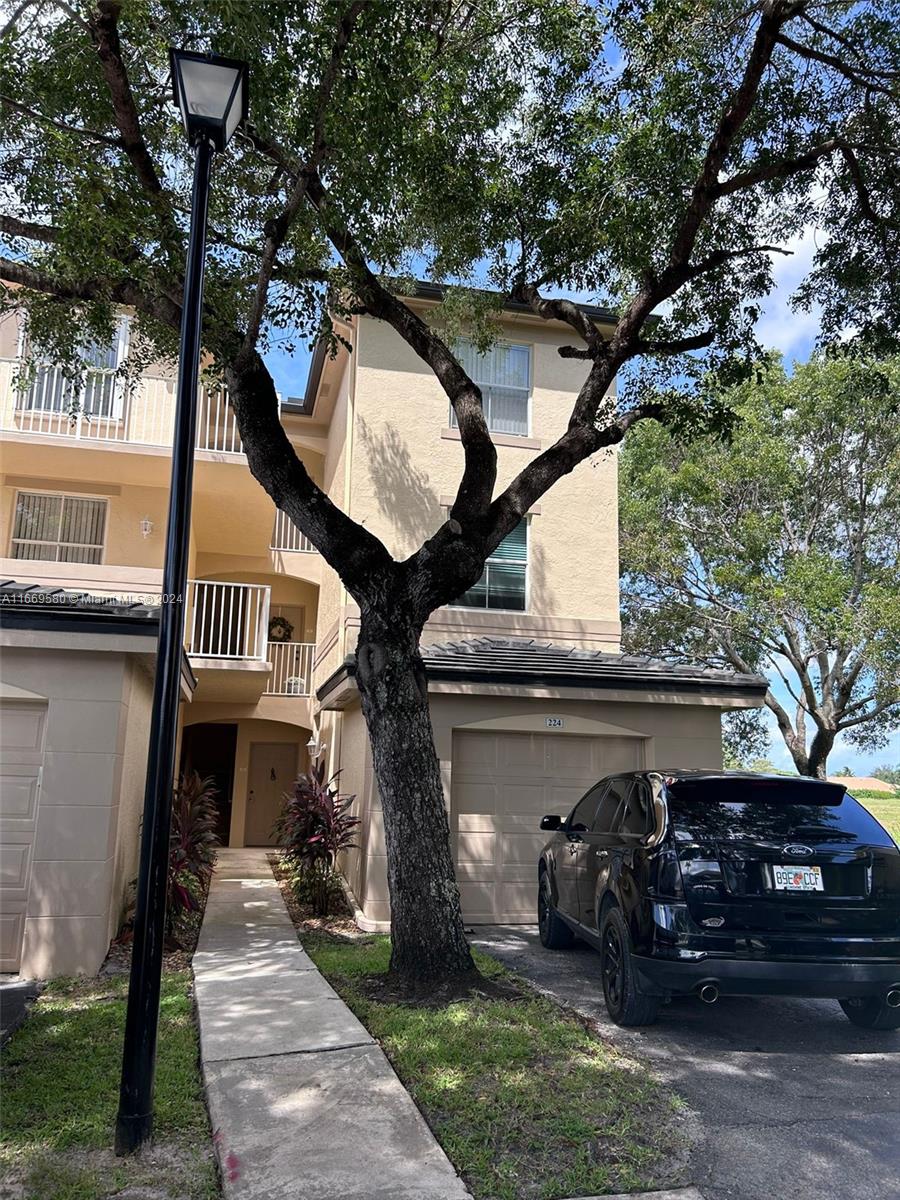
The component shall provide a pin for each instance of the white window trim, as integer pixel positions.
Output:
(520, 611)
(529, 347)
(13, 540)
(122, 340)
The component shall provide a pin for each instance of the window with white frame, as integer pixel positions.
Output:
(504, 376)
(503, 583)
(54, 528)
(96, 390)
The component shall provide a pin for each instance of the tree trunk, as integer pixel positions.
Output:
(429, 947)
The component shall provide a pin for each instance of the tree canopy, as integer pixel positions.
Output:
(653, 156)
(779, 550)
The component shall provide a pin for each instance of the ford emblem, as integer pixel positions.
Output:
(797, 851)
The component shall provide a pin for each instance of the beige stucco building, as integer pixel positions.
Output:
(531, 700)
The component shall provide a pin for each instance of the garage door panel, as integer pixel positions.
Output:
(475, 848)
(22, 727)
(502, 784)
(18, 793)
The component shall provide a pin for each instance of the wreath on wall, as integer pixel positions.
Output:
(280, 630)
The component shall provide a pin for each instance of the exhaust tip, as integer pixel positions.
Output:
(892, 999)
(709, 993)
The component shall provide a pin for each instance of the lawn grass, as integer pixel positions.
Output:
(526, 1102)
(61, 1091)
(884, 808)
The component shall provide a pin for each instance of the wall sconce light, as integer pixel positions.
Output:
(146, 527)
(315, 747)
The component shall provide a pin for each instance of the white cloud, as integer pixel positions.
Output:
(779, 327)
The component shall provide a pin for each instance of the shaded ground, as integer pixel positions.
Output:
(792, 1098)
(16, 997)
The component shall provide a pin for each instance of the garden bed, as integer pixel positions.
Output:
(526, 1100)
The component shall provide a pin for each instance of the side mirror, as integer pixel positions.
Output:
(551, 823)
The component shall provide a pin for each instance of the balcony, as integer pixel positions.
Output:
(226, 636)
(110, 413)
(287, 538)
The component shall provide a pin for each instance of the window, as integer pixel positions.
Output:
(96, 390)
(55, 528)
(609, 806)
(634, 819)
(504, 376)
(582, 817)
(502, 584)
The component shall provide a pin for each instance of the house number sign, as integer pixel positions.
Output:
(554, 722)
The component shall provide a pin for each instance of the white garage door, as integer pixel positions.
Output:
(503, 783)
(21, 756)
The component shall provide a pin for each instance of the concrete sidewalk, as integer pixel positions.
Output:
(304, 1105)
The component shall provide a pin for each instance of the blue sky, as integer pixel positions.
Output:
(794, 334)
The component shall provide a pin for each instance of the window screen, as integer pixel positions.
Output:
(94, 388)
(503, 375)
(55, 528)
(503, 582)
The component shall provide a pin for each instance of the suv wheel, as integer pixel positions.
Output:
(871, 1012)
(555, 933)
(626, 1003)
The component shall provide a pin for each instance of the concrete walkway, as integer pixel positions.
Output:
(304, 1105)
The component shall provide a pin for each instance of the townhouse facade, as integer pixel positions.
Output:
(531, 699)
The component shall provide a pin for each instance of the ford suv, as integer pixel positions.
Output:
(726, 883)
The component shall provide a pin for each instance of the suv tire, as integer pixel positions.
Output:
(555, 933)
(626, 1003)
(871, 1012)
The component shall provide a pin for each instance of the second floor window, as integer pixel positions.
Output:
(503, 583)
(97, 391)
(54, 528)
(504, 376)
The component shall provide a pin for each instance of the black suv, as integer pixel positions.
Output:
(726, 882)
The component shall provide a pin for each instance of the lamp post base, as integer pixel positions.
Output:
(133, 1132)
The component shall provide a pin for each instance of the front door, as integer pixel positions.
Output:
(273, 770)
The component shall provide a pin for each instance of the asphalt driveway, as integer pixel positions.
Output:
(791, 1099)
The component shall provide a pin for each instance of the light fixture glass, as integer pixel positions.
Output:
(211, 93)
(146, 527)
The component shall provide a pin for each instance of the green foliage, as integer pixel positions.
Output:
(778, 549)
(888, 774)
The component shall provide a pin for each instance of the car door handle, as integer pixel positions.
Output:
(602, 853)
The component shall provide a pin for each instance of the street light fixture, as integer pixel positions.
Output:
(212, 95)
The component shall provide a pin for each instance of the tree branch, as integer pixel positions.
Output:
(14, 227)
(92, 134)
(103, 25)
(861, 76)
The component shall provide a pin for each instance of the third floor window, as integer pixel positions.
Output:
(504, 376)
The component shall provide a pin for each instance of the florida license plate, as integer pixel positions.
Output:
(798, 879)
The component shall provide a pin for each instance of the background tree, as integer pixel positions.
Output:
(779, 550)
(653, 156)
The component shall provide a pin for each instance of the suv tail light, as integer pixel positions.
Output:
(666, 881)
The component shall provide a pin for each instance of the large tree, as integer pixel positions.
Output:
(779, 550)
(651, 155)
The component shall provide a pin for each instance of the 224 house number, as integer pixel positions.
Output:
(554, 722)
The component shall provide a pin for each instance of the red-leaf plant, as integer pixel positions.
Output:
(192, 846)
(315, 826)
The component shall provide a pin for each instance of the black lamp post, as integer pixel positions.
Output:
(212, 95)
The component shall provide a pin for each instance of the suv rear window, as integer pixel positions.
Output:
(737, 809)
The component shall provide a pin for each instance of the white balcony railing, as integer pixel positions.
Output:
(227, 620)
(286, 536)
(292, 664)
(142, 415)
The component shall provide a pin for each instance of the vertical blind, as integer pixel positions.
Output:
(57, 528)
(503, 583)
(503, 376)
(51, 390)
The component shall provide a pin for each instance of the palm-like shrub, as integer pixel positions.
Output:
(314, 827)
(192, 847)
